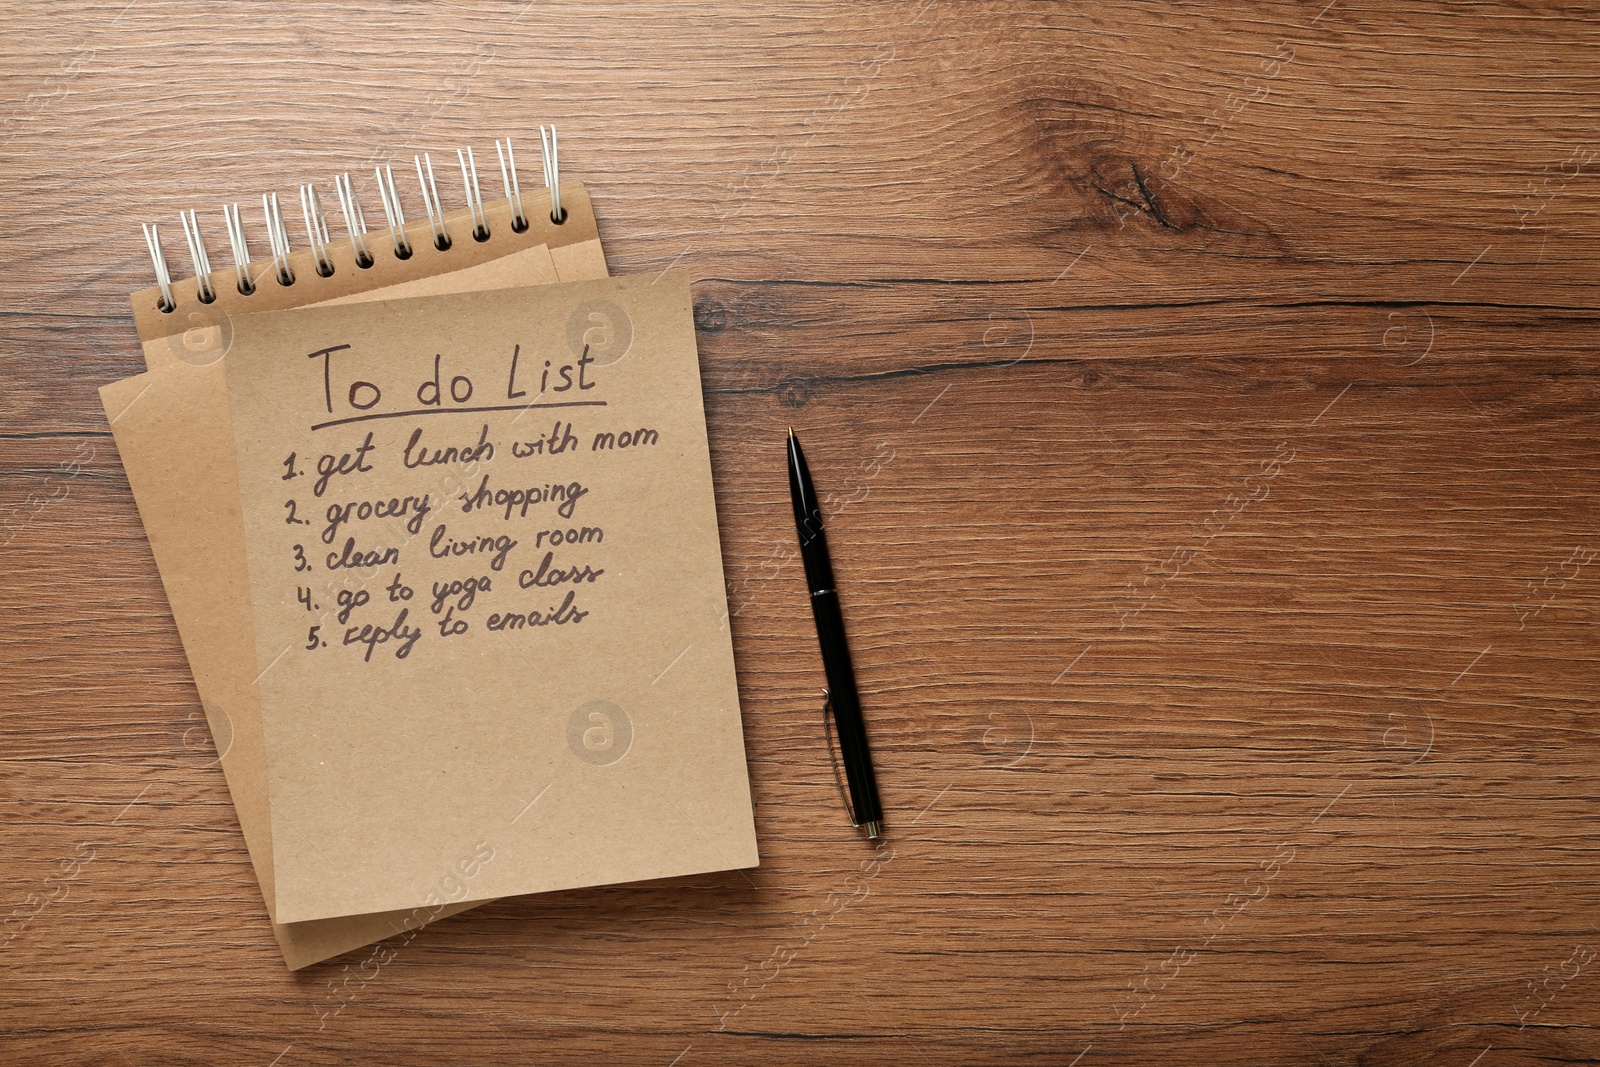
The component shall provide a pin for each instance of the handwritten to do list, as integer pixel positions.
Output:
(481, 507)
(467, 518)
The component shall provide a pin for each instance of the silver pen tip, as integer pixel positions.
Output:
(874, 830)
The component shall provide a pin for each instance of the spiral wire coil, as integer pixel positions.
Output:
(316, 220)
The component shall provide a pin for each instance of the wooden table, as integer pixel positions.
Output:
(1206, 401)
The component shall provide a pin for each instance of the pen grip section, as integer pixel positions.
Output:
(846, 707)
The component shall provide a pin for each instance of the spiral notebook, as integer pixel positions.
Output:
(199, 550)
(171, 424)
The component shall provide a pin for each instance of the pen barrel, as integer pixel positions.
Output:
(846, 707)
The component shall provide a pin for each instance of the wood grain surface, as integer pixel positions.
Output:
(1205, 397)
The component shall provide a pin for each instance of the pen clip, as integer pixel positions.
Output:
(838, 773)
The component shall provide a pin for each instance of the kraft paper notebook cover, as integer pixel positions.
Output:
(196, 558)
(177, 450)
(533, 662)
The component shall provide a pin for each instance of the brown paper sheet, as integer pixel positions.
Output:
(580, 261)
(535, 264)
(487, 594)
(203, 567)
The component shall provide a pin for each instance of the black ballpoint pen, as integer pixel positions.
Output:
(842, 695)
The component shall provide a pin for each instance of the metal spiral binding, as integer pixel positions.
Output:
(392, 212)
(430, 202)
(469, 181)
(241, 251)
(552, 173)
(508, 174)
(316, 228)
(152, 240)
(355, 223)
(197, 255)
(278, 238)
(316, 220)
